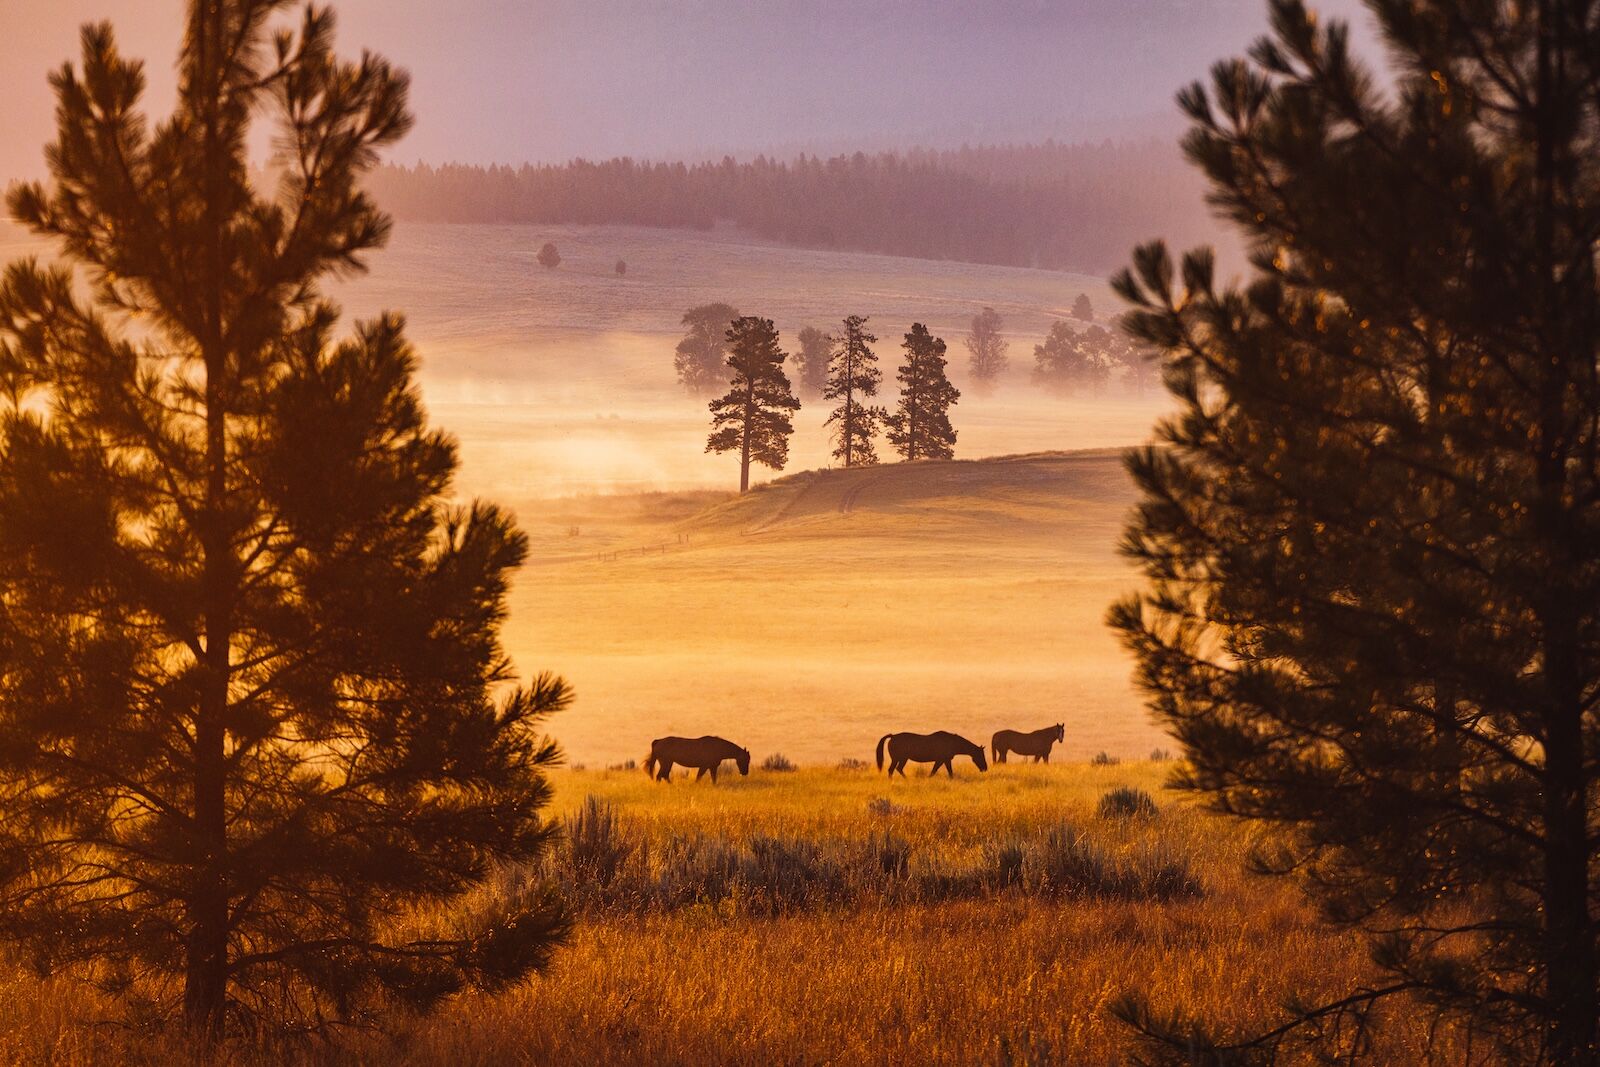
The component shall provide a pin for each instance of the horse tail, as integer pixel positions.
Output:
(994, 748)
(881, 742)
(650, 763)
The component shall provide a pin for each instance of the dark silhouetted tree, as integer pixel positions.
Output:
(1082, 309)
(256, 724)
(700, 359)
(752, 418)
(621, 268)
(920, 427)
(816, 348)
(1072, 361)
(986, 348)
(549, 258)
(1372, 533)
(853, 379)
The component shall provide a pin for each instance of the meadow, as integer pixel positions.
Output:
(943, 958)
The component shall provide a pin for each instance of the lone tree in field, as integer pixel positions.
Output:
(701, 355)
(1373, 533)
(621, 268)
(816, 348)
(1082, 309)
(255, 717)
(986, 347)
(548, 257)
(752, 418)
(853, 378)
(920, 427)
(1071, 361)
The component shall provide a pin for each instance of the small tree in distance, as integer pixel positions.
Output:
(257, 730)
(816, 348)
(1070, 361)
(986, 347)
(1082, 309)
(700, 357)
(853, 379)
(920, 427)
(752, 418)
(549, 258)
(621, 268)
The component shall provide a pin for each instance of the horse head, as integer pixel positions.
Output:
(1061, 731)
(743, 760)
(979, 758)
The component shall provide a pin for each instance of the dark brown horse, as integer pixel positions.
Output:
(1036, 743)
(939, 749)
(704, 753)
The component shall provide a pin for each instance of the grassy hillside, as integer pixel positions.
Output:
(827, 608)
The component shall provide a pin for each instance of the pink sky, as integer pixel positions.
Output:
(512, 80)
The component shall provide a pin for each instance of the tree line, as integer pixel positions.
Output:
(753, 418)
(1077, 356)
(1050, 205)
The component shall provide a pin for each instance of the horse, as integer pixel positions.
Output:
(1035, 743)
(705, 753)
(939, 749)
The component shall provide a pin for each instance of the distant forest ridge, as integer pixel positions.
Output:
(1051, 205)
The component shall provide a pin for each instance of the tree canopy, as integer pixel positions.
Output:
(752, 418)
(920, 426)
(700, 357)
(853, 380)
(1372, 532)
(255, 712)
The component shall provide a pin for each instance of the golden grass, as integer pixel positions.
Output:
(1002, 979)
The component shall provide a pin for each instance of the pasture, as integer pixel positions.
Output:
(939, 960)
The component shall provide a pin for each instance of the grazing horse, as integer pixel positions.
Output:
(705, 753)
(939, 749)
(1036, 743)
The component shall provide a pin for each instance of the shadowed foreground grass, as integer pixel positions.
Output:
(938, 956)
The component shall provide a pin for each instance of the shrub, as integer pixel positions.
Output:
(850, 763)
(1126, 802)
(597, 844)
(882, 806)
(1066, 863)
(548, 257)
(777, 762)
(1104, 759)
(1159, 755)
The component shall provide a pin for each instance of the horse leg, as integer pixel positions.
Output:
(666, 771)
(1047, 755)
(714, 773)
(898, 766)
(950, 767)
(701, 773)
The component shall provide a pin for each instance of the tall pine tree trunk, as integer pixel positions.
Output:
(206, 972)
(1569, 928)
(744, 438)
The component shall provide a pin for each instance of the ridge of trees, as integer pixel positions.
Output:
(1049, 205)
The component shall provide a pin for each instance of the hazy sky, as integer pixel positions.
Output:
(509, 80)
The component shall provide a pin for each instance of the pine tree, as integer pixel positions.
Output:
(1372, 535)
(1070, 361)
(752, 418)
(920, 428)
(549, 258)
(701, 356)
(816, 348)
(1082, 309)
(987, 347)
(255, 717)
(853, 378)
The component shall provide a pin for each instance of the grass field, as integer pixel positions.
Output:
(831, 607)
(992, 974)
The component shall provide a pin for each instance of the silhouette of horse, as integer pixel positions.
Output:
(1035, 743)
(704, 753)
(939, 749)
